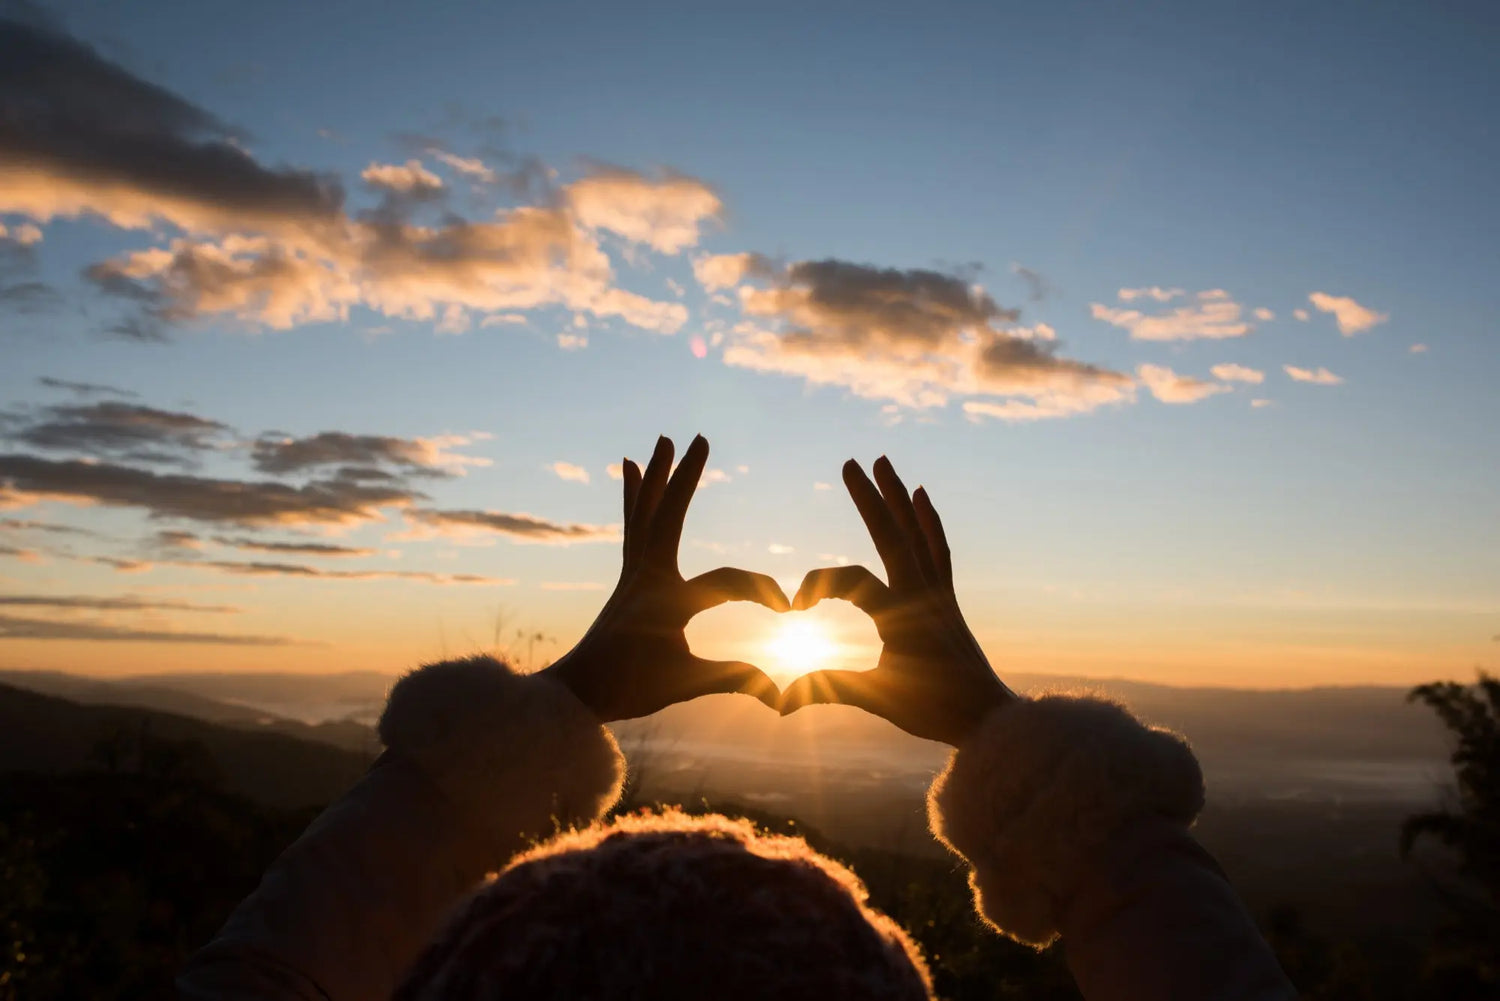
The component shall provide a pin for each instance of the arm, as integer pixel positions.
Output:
(1074, 816)
(1075, 819)
(481, 762)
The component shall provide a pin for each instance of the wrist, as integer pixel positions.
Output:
(571, 672)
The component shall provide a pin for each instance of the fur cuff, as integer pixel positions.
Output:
(1036, 792)
(520, 750)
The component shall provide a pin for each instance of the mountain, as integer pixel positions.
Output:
(166, 693)
(44, 733)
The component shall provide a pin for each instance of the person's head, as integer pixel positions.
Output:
(667, 905)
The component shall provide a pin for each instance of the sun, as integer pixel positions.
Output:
(800, 647)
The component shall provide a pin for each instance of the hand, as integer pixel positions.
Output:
(932, 679)
(634, 660)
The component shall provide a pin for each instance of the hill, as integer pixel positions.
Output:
(43, 733)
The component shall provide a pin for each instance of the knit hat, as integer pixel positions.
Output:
(669, 906)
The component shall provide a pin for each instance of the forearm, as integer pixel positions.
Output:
(1075, 818)
(480, 764)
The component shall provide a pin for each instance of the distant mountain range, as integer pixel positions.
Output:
(1306, 788)
(1356, 742)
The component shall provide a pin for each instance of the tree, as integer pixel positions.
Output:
(1467, 951)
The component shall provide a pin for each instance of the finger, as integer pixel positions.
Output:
(854, 584)
(899, 502)
(653, 482)
(714, 677)
(666, 526)
(850, 688)
(937, 539)
(631, 474)
(733, 584)
(884, 532)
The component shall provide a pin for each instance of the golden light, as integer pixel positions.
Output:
(798, 647)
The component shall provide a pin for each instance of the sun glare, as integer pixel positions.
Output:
(799, 647)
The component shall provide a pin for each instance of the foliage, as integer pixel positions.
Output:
(1466, 952)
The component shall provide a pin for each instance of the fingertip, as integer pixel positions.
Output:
(851, 468)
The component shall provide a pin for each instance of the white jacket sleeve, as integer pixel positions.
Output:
(1074, 817)
(480, 763)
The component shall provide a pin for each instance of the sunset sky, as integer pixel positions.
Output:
(322, 332)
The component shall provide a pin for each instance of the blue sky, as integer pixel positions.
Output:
(1248, 157)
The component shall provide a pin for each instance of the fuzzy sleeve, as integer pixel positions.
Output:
(480, 762)
(1074, 817)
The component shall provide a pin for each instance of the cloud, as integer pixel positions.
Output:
(299, 548)
(572, 342)
(25, 235)
(712, 476)
(410, 179)
(197, 498)
(568, 471)
(1169, 387)
(1302, 315)
(820, 485)
(471, 167)
(113, 603)
(1037, 287)
(175, 539)
(257, 568)
(1212, 315)
(85, 388)
(52, 528)
(83, 135)
(274, 453)
(125, 430)
(1418, 349)
(615, 471)
(1318, 377)
(719, 271)
(915, 337)
(778, 549)
(664, 213)
(1230, 372)
(1153, 292)
(14, 628)
(1350, 316)
(523, 527)
(17, 553)
(278, 247)
(120, 564)
(1263, 314)
(1260, 402)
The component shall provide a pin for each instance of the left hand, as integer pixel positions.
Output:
(634, 660)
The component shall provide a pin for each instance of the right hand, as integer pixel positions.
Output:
(932, 679)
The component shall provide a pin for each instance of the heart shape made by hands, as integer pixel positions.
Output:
(787, 645)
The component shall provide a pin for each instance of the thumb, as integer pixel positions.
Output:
(850, 688)
(713, 677)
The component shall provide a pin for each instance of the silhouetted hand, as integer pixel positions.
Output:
(932, 679)
(634, 660)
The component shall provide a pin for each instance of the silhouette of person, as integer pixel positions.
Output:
(1073, 816)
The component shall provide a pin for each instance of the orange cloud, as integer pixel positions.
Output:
(569, 471)
(1212, 315)
(519, 526)
(1230, 372)
(410, 178)
(1318, 377)
(1169, 387)
(664, 213)
(916, 337)
(1350, 317)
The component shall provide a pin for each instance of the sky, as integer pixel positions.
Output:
(325, 330)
